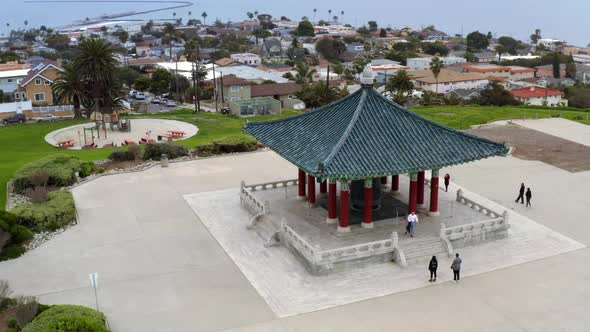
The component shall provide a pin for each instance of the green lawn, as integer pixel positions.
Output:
(20, 144)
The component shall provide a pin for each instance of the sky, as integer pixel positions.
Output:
(569, 20)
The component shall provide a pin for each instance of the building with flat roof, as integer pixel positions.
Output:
(448, 80)
(247, 58)
(424, 63)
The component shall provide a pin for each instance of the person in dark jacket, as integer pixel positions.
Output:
(432, 266)
(447, 181)
(528, 195)
(520, 194)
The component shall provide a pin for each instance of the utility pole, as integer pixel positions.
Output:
(195, 86)
(176, 78)
(198, 63)
(328, 77)
(215, 87)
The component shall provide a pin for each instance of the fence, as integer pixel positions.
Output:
(58, 108)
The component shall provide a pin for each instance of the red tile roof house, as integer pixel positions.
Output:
(283, 92)
(539, 96)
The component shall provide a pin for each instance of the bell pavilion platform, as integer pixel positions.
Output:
(310, 225)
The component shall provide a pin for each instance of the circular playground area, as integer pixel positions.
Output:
(125, 132)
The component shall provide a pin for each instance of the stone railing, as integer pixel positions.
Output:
(253, 204)
(271, 185)
(319, 257)
(463, 235)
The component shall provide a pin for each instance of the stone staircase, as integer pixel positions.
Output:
(421, 250)
(267, 231)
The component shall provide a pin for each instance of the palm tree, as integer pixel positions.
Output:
(96, 64)
(26, 23)
(303, 74)
(435, 66)
(335, 18)
(204, 16)
(69, 87)
(342, 15)
(338, 69)
(256, 13)
(250, 15)
(500, 49)
(190, 14)
(314, 11)
(400, 85)
(329, 12)
(174, 14)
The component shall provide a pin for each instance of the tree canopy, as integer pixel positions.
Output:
(330, 49)
(436, 48)
(477, 41)
(305, 29)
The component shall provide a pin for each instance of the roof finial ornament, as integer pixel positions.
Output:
(367, 76)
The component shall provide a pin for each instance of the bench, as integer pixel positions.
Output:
(66, 144)
(89, 146)
(145, 140)
(129, 142)
(176, 133)
(108, 145)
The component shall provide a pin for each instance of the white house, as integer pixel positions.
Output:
(551, 44)
(448, 80)
(424, 63)
(539, 96)
(247, 58)
(9, 79)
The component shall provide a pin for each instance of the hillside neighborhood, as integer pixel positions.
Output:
(269, 55)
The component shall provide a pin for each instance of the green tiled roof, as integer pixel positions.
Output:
(366, 135)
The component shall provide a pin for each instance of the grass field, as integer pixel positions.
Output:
(23, 143)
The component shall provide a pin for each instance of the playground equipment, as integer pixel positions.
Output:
(96, 127)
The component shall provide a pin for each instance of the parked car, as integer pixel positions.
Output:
(140, 96)
(170, 103)
(132, 93)
(156, 101)
(47, 118)
(15, 118)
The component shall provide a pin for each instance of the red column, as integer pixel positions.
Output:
(344, 206)
(323, 187)
(434, 194)
(368, 206)
(395, 183)
(413, 193)
(301, 192)
(384, 180)
(310, 189)
(332, 202)
(420, 196)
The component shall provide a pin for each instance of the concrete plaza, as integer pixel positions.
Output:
(160, 269)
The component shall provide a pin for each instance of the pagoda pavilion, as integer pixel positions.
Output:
(361, 141)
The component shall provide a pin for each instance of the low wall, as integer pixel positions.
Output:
(475, 233)
(322, 262)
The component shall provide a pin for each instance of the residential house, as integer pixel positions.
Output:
(355, 47)
(448, 80)
(539, 96)
(551, 81)
(283, 92)
(232, 88)
(9, 79)
(36, 86)
(509, 72)
(247, 58)
(143, 48)
(383, 72)
(583, 73)
(581, 58)
(143, 62)
(424, 63)
(224, 62)
(551, 44)
(272, 47)
(484, 56)
(250, 25)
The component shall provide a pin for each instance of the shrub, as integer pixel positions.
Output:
(135, 151)
(38, 194)
(100, 170)
(20, 234)
(12, 252)
(12, 324)
(57, 212)
(26, 309)
(121, 155)
(67, 318)
(154, 151)
(6, 302)
(86, 169)
(227, 145)
(42, 307)
(60, 168)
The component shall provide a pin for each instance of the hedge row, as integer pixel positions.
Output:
(57, 212)
(68, 318)
(151, 151)
(227, 145)
(60, 168)
(14, 234)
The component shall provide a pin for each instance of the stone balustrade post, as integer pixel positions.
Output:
(459, 195)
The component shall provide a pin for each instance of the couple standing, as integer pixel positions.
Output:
(455, 266)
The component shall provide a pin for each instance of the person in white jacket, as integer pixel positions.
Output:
(412, 220)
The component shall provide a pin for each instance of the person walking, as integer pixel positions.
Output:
(447, 182)
(520, 194)
(456, 267)
(528, 195)
(432, 266)
(412, 220)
